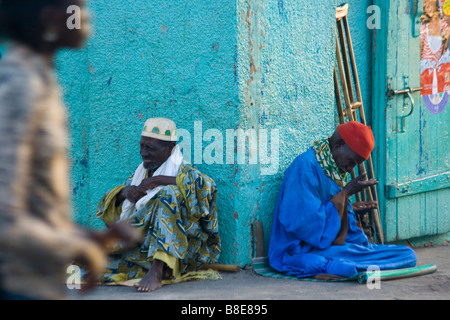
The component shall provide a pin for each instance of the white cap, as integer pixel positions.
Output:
(161, 129)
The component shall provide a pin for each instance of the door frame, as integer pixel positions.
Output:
(379, 98)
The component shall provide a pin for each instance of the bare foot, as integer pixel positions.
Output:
(153, 278)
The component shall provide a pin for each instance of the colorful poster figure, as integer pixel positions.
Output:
(435, 54)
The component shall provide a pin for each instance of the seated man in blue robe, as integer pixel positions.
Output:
(314, 232)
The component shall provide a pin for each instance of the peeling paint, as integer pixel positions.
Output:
(91, 68)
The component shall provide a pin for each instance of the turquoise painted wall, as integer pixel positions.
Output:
(147, 59)
(255, 65)
(290, 47)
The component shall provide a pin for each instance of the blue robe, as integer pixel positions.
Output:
(306, 223)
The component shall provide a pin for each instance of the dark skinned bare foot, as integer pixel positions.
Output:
(153, 279)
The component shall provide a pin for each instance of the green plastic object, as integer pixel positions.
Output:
(384, 275)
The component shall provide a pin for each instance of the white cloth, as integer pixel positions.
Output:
(169, 168)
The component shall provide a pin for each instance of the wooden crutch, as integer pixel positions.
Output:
(354, 107)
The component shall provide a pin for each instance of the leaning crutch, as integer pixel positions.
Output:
(354, 105)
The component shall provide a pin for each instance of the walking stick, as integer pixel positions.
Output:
(346, 70)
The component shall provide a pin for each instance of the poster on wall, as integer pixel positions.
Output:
(435, 54)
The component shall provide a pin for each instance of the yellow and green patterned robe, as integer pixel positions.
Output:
(179, 226)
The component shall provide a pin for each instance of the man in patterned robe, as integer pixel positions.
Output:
(172, 203)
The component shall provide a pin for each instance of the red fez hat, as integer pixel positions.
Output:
(358, 137)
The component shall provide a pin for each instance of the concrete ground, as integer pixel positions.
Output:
(246, 285)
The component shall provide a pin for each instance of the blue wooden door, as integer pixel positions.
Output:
(412, 156)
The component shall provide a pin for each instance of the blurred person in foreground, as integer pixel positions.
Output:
(38, 240)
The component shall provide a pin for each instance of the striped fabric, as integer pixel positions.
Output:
(261, 266)
(428, 53)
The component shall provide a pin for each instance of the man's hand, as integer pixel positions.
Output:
(153, 182)
(364, 206)
(93, 253)
(358, 184)
(134, 193)
(131, 193)
(150, 183)
(120, 232)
